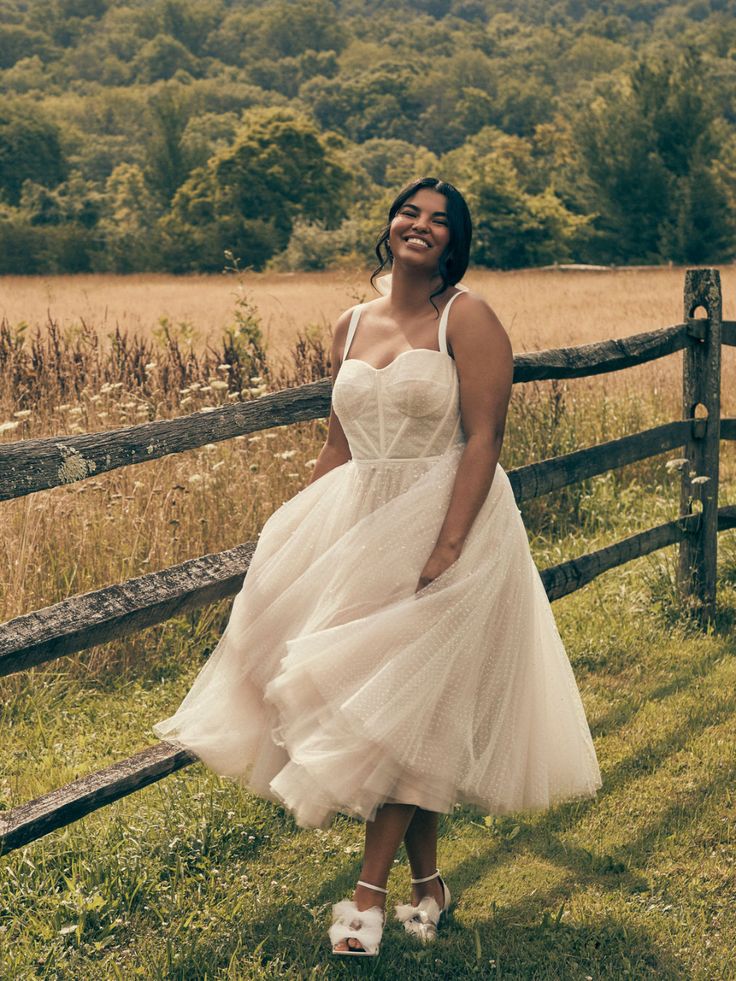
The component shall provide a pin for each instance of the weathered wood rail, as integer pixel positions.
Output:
(84, 621)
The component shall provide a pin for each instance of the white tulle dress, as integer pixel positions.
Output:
(335, 687)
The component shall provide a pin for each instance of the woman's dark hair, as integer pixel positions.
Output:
(454, 260)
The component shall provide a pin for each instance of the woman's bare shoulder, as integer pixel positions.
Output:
(475, 320)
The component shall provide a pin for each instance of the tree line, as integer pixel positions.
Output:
(156, 136)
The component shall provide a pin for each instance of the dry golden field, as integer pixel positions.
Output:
(134, 520)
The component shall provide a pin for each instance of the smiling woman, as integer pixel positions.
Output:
(392, 651)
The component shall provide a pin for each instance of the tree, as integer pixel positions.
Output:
(649, 150)
(248, 196)
(30, 149)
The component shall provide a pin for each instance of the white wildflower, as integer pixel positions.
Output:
(209, 447)
(187, 401)
(22, 414)
(150, 366)
(107, 387)
(677, 464)
(224, 367)
(103, 415)
(7, 427)
(255, 439)
(233, 396)
(209, 408)
(219, 386)
(256, 379)
(76, 411)
(205, 388)
(130, 405)
(64, 407)
(311, 463)
(184, 391)
(700, 480)
(286, 455)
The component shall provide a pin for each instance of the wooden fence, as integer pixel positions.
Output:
(83, 621)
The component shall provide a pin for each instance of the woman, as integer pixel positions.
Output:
(392, 651)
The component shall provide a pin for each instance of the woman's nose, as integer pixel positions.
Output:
(420, 222)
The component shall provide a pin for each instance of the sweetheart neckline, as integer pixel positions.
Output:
(410, 350)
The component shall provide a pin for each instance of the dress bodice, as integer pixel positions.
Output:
(407, 410)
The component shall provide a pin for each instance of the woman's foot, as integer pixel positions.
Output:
(353, 934)
(431, 898)
(433, 889)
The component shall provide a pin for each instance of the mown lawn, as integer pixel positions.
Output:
(191, 878)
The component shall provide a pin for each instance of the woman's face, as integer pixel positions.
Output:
(419, 232)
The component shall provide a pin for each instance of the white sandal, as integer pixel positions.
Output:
(365, 926)
(422, 921)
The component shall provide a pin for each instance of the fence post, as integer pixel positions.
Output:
(701, 403)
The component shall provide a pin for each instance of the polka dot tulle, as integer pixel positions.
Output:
(337, 687)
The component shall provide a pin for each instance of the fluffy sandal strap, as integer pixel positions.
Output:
(365, 926)
(421, 920)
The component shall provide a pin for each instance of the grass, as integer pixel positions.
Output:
(192, 878)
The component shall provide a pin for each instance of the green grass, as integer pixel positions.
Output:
(192, 878)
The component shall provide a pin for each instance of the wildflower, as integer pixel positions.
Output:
(256, 379)
(22, 414)
(219, 386)
(103, 415)
(286, 455)
(311, 463)
(255, 439)
(220, 463)
(64, 407)
(700, 480)
(184, 391)
(253, 391)
(107, 387)
(223, 367)
(208, 408)
(150, 366)
(6, 427)
(209, 447)
(677, 464)
(205, 388)
(187, 401)
(233, 396)
(195, 386)
(76, 411)
(129, 405)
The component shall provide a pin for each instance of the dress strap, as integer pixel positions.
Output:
(443, 321)
(357, 310)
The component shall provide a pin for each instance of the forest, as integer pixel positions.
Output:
(147, 136)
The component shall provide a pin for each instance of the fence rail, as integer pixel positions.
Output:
(83, 621)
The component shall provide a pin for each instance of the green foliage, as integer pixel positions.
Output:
(649, 148)
(29, 150)
(248, 196)
(594, 111)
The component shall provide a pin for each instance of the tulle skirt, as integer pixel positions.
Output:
(337, 687)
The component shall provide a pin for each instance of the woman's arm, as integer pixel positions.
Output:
(485, 367)
(335, 451)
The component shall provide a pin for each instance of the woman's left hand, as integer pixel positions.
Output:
(442, 558)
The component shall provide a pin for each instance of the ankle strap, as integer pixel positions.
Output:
(369, 886)
(435, 875)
